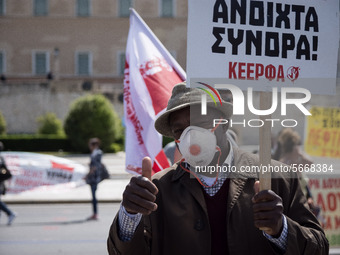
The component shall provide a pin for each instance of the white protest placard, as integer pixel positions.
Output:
(264, 44)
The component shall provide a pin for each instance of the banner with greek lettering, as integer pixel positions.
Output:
(32, 170)
(326, 194)
(264, 44)
(322, 136)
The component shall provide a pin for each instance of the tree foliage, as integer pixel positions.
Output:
(3, 125)
(92, 116)
(49, 124)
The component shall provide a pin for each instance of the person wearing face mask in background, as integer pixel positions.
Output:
(188, 210)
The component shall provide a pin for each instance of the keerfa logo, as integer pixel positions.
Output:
(293, 73)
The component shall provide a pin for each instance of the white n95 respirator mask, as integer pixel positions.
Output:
(197, 145)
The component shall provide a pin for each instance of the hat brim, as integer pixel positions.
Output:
(162, 124)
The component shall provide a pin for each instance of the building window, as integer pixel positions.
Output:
(84, 63)
(2, 63)
(167, 8)
(41, 63)
(121, 63)
(2, 7)
(124, 8)
(40, 7)
(83, 8)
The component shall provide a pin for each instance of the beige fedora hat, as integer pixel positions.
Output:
(182, 97)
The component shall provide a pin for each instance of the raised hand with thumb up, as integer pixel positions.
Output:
(140, 194)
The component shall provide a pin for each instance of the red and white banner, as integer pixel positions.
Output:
(33, 170)
(150, 74)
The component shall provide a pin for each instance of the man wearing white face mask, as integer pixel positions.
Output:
(185, 211)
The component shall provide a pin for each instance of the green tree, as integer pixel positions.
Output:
(3, 125)
(92, 116)
(49, 124)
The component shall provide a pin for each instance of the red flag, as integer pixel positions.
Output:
(150, 74)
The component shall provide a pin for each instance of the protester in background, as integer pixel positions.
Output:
(93, 177)
(214, 212)
(276, 147)
(291, 153)
(289, 142)
(3, 207)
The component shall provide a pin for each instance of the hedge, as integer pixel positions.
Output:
(167, 140)
(36, 143)
(2, 125)
(49, 124)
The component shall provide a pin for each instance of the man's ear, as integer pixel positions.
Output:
(177, 147)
